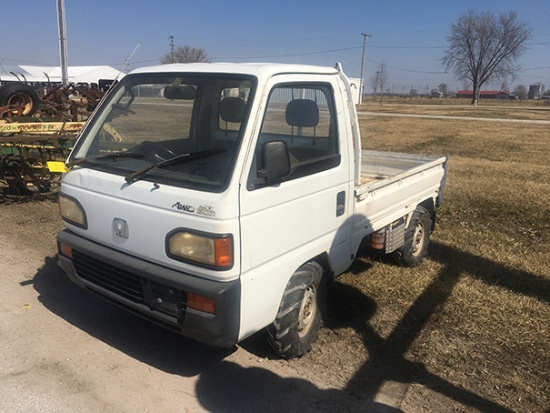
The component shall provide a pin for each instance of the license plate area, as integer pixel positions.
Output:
(165, 299)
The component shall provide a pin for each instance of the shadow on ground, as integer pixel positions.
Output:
(120, 329)
(224, 386)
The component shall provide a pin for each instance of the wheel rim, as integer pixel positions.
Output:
(21, 99)
(308, 309)
(418, 239)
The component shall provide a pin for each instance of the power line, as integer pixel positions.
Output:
(289, 54)
(407, 47)
(409, 70)
(535, 68)
(25, 62)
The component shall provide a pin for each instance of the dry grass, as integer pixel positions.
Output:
(476, 314)
(531, 110)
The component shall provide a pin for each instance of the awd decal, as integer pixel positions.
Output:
(184, 208)
(204, 210)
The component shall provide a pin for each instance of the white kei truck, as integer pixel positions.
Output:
(220, 199)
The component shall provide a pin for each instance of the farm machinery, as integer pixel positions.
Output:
(37, 132)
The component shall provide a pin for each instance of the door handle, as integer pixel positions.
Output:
(340, 203)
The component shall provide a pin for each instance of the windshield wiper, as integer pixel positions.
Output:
(75, 161)
(113, 155)
(135, 176)
(117, 155)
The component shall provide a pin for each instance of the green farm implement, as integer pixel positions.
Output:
(33, 154)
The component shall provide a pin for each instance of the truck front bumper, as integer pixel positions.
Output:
(153, 291)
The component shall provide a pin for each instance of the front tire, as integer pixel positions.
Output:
(300, 314)
(417, 239)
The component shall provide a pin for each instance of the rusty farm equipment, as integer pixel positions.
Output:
(37, 133)
(33, 154)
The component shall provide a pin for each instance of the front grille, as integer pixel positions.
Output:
(125, 284)
(113, 279)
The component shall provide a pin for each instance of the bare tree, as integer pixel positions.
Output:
(504, 86)
(185, 54)
(444, 89)
(484, 48)
(383, 78)
(373, 82)
(520, 91)
(380, 80)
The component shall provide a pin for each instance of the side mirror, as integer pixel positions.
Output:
(276, 161)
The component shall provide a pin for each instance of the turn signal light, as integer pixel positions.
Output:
(224, 252)
(66, 250)
(201, 303)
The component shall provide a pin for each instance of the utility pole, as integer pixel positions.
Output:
(171, 47)
(365, 35)
(62, 42)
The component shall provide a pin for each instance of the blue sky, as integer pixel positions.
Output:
(408, 36)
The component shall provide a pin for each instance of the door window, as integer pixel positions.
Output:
(303, 117)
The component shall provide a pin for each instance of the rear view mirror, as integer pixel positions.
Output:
(179, 92)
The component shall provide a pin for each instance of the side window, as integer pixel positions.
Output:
(304, 118)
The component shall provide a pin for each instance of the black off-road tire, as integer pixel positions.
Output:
(300, 314)
(417, 239)
(20, 94)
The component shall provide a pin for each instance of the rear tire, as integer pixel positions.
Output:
(300, 314)
(417, 239)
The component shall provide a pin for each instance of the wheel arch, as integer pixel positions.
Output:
(324, 261)
(430, 206)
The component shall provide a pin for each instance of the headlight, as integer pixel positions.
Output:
(211, 250)
(71, 211)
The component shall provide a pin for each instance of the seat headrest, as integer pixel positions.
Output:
(232, 109)
(302, 113)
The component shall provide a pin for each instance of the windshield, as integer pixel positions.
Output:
(150, 120)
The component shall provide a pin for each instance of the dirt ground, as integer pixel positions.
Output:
(66, 350)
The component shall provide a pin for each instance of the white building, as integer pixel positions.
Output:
(77, 74)
(536, 91)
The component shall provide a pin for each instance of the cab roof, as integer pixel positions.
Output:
(254, 69)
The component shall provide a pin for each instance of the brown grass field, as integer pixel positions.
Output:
(472, 323)
(487, 108)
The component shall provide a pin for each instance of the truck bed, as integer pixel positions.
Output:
(392, 185)
(380, 168)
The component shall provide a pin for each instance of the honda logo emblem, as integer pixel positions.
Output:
(120, 227)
